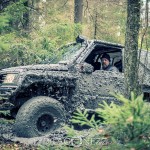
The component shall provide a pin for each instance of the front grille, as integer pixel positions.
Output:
(2, 77)
(6, 92)
(7, 89)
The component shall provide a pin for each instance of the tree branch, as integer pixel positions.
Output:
(142, 40)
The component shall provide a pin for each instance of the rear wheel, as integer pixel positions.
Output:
(39, 116)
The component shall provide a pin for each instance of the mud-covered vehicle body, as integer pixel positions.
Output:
(42, 97)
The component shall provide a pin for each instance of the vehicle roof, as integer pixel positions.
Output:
(107, 43)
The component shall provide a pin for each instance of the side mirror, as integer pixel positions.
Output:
(80, 39)
(84, 68)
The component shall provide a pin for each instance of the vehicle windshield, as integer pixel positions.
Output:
(67, 53)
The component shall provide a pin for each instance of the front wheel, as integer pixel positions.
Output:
(39, 116)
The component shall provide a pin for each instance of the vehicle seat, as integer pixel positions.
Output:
(97, 65)
(119, 65)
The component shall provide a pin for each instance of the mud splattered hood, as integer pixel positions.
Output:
(45, 67)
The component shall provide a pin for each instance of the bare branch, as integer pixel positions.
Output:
(61, 7)
(146, 27)
(147, 24)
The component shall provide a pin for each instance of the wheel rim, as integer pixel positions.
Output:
(45, 123)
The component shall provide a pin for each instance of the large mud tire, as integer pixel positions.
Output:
(38, 117)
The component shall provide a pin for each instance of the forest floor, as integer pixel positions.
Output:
(9, 141)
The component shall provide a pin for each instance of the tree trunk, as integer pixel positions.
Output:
(26, 17)
(95, 24)
(131, 47)
(78, 10)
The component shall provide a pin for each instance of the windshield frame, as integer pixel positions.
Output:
(72, 54)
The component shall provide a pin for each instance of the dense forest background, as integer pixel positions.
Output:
(32, 30)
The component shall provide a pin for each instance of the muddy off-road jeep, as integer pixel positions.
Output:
(42, 97)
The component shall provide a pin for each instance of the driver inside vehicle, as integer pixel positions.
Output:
(105, 59)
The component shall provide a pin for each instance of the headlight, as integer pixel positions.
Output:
(9, 78)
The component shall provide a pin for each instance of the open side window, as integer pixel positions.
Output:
(115, 53)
